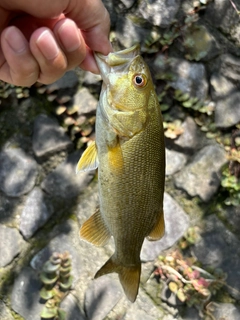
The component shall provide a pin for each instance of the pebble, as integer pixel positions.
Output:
(201, 177)
(35, 213)
(49, 137)
(173, 231)
(226, 311)
(221, 87)
(68, 81)
(85, 102)
(71, 306)
(227, 111)
(18, 172)
(175, 161)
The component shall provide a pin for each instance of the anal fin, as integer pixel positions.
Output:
(95, 231)
(159, 228)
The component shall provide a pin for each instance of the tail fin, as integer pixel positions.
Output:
(128, 276)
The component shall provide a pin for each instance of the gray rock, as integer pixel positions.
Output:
(5, 314)
(192, 314)
(175, 161)
(25, 295)
(221, 87)
(159, 13)
(35, 213)
(202, 176)
(10, 244)
(68, 81)
(85, 102)
(219, 248)
(71, 306)
(49, 137)
(91, 78)
(18, 172)
(230, 67)
(63, 183)
(173, 231)
(227, 111)
(226, 311)
(101, 296)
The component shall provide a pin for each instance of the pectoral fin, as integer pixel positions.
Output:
(95, 231)
(88, 160)
(115, 158)
(158, 230)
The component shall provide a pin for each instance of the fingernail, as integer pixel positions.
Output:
(47, 45)
(15, 39)
(70, 43)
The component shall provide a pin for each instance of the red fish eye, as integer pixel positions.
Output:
(139, 80)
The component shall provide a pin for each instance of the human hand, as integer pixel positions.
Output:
(42, 39)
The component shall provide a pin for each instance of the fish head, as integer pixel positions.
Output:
(126, 79)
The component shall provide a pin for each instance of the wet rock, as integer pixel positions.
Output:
(71, 307)
(220, 86)
(219, 248)
(227, 111)
(159, 13)
(202, 176)
(68, 81)
(85, 102)
(175, 161)
(63, 183)
(35, 213)
(49, 137)
(10, 244)
(101, 296)
(226, 311)
(173, 231)
(18, 172)
(5, 314)
(25, 294)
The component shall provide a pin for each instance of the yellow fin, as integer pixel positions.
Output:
(115, 158)
(95, 231)
(128, 276)
(88, 160)
(158, 230)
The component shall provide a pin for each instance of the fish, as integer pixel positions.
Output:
(129, 153)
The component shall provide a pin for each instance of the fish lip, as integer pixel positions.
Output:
(115, 61)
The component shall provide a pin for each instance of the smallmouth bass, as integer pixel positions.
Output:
(129, 153)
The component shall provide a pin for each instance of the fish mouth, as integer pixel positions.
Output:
(116, 61)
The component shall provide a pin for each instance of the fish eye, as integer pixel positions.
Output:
(139, 80)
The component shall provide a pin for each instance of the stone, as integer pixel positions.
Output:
(221, 87)
(18, 172)
(230, 67)
(176, 223)
(71, 306)
(219, 248)
(25, 294)
(10, 244)
(226, 311)
(69, 185)
(35, 213)
(49, 137)
(5, 314)
(201, 177)
(159, 13)
(85, 102)
(175, 161)
(191, 314)
(101, 296)
(68, 81)
(227, 111)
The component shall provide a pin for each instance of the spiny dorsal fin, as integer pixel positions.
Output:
(88, 160)
(128, 276)
(95, 231)
(159, 228)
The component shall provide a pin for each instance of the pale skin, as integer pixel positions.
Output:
(40, 40)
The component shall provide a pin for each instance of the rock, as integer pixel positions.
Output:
(69, 185)
(90, 79)
(221, 87)
(68, 81)
(25, 295)
(230, 67)
(71, 307)
(219, 248)
(227, 111)
(159, 13)
(85, 102)
(175, 161)
(35, 213)
(226, 311)
(173, 231)
(18, 172)
(5, 314)
(101, 296)
(192, 314)
(202, 176)
(10, 244)
(49, 137)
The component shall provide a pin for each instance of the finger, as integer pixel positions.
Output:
(17, 64)
(71, 41)
(48, 54)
